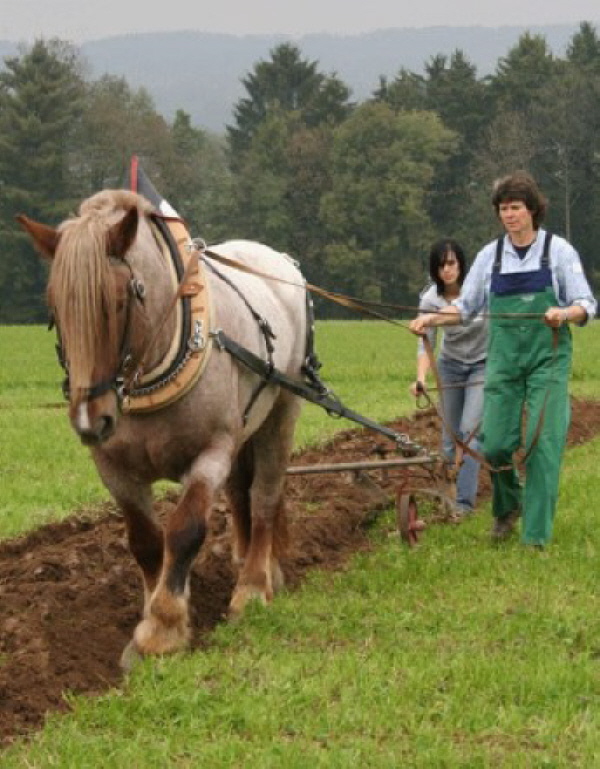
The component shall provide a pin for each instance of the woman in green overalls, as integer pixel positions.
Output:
(533, 285)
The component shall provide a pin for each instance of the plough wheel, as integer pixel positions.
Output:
(409, 524)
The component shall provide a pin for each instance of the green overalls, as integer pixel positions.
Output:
(526, 368)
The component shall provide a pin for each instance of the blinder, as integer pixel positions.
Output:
(136, 290)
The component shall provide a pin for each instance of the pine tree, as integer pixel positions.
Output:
(290, 84)
(40, 102)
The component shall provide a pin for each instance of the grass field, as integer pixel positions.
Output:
(455, 655)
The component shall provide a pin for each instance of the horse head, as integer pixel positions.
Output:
(93, 297)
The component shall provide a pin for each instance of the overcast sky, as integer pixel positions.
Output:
(81, 20)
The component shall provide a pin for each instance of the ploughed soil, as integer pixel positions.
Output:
(70, 594)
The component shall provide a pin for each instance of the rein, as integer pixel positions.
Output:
(463, 444)
(366, 308)
(350, 302)
(124, 381)
(344, 300)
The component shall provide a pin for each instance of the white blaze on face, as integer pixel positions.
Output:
(82, 419)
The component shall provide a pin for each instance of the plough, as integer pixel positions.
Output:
(436, 472)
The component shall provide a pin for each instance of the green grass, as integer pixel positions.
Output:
(44, 471)
(457, 654)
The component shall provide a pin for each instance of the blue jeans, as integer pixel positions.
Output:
(463, 411)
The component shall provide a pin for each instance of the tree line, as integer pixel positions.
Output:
(355, 191)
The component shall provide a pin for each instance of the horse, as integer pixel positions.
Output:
(110, 291)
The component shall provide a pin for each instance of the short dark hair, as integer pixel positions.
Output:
(438, 255)
(521, 186)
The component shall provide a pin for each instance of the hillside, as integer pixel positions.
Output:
(201, 72)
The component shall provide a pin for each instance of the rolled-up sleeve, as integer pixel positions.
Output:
(475, 290)
(573, 287)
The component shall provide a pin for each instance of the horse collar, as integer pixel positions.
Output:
(189, 351)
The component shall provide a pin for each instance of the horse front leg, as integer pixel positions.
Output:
(165, 627)
(144, 534)
(146, 543)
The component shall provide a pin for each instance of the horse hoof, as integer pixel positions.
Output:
(241, 597)
(130, 657)
(153, 638)
(277, 578)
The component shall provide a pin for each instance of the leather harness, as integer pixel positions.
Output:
(152, 391)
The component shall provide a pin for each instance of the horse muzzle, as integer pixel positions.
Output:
(93, 428)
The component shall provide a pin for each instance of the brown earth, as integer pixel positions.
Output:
(70, 594)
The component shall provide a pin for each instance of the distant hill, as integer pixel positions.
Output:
(202, 72)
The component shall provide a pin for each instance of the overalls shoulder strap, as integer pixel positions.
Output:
(544, 262)
(499, 249)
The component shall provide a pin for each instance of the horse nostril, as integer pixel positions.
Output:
(106, 427)
(103, 428)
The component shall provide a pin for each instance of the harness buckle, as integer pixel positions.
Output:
(127, 360)
(122, 393)
(197, 341)
(265, 327)
(196, 244)
(217, 339)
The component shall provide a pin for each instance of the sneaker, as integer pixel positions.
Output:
(502, 528)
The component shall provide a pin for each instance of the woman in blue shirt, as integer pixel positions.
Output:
(533, 285)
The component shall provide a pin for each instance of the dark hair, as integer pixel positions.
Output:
(521, 186)
(438, 255)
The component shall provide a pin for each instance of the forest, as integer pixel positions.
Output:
(355, 191)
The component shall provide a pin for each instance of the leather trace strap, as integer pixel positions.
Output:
(320, 396)
(265, 329)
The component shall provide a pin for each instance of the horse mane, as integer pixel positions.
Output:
(81, 286)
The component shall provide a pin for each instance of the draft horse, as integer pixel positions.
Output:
(110, 291)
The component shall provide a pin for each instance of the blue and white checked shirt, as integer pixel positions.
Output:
(568, 278)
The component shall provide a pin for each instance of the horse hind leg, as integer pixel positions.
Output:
(238, 493)
(261, 574)
(280, 544)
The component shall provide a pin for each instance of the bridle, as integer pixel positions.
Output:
(119, 383)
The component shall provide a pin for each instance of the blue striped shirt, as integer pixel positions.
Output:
(568, 279)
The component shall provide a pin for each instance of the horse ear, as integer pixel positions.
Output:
(122, 234)
(44, 238)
